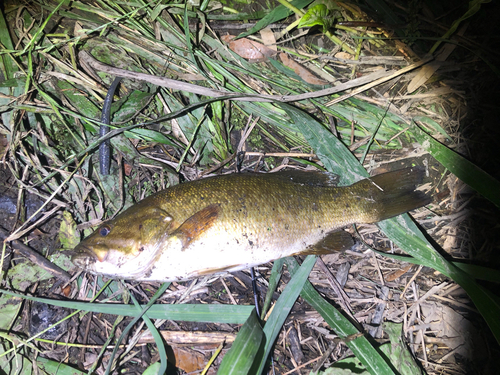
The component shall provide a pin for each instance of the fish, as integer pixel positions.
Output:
(236, 221)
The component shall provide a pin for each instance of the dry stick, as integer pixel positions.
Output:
(228, 291)
(282, 154)
(344, 299)
(36, 258)
(369, 81)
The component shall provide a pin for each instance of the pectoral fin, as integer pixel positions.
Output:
(333, 242)
(197, 224)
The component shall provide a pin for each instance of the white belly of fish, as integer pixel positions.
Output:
(217, 253)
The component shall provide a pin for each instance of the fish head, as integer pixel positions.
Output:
(127, 246)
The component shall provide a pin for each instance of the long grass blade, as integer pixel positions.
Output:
(465, 170)
(245, 349)
(284, 305)
(189, 313)
(357, 342)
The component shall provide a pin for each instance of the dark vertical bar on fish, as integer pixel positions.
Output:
(104, 148)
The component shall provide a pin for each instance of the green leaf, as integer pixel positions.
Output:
(245, 348)
(129, 107)
(68, 234)
(152, 369)
(315, 15)
(149, 136)
(401, 229)
(56, 367)
(18, 365)
(335, 156)
(23, 275)
(9, 308)
(278, 13)
(346, 366)
(435, 125)
(398, 352)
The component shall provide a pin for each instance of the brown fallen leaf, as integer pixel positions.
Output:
(188, 359)
(301, 71)
(397, 274)
(344, 56)
(248, 49)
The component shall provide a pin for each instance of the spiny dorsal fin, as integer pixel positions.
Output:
(308, 178)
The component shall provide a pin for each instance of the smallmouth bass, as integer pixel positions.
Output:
(232, 222)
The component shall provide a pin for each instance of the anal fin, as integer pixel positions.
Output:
(336, 241)
(211, 271)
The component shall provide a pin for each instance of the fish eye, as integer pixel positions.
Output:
(104, 231)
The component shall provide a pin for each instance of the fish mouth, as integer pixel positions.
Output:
(83, 257)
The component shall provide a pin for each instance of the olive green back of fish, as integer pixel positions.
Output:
(268, 206)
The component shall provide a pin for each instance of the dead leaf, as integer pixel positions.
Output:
(398, 273)
(428, 70)
(248, 49)
(301, 71)
(268, 38)
(423, 75)
(188, 360)
(344, 56)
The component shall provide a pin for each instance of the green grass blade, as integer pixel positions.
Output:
(335, 156)
(189, 313)
(359, 344)
(474, 270)
(273, 283)
(6, 65)
(465, 170)
(154, 332)
(276, 14)
(245, 349)
(141, 311)
(284, 305)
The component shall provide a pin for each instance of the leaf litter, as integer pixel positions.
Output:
(51, 154)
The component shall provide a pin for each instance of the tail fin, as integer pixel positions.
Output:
(394, 192)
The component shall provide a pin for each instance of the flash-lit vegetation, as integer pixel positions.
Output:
(323, 87)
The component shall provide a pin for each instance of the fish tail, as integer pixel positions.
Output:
(393, 193)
